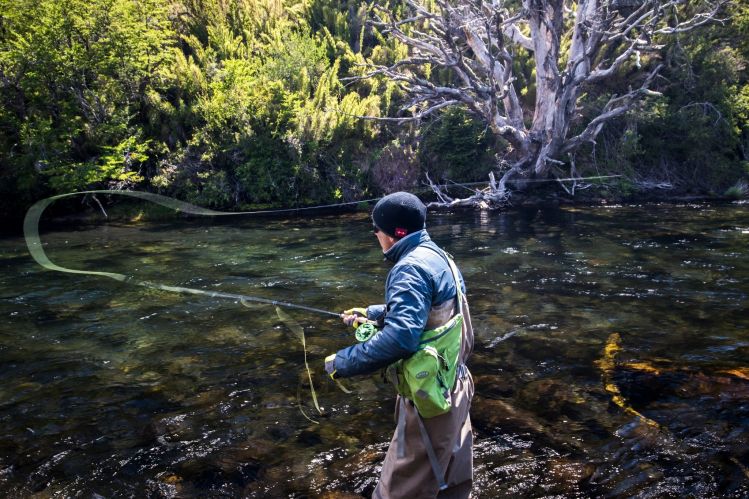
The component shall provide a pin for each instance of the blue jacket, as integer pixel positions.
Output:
(420, 279)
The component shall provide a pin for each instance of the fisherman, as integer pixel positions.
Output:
(429, 455)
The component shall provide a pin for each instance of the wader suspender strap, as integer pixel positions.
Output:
(401, 438)
(454, 272)
(401, 428)
(436, 468)
(459, 291)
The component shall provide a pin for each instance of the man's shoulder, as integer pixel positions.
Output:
(429, 249)
(426, 257)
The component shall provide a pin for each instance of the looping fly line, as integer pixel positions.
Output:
(34, 244)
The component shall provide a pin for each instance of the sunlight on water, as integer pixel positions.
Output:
(112, 389)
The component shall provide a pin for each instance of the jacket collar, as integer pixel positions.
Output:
(405, 245)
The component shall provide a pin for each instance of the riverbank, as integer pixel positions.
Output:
(93, 209)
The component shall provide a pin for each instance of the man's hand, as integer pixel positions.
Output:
(354, 316)
(330, 365)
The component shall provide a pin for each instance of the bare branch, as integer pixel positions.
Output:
(699, 19)
(515, 35)
(610, 111)
(477, 42)
(405, 119)
(601, 73)
(444, 198)
(707, 108)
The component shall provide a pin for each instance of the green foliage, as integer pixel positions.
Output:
(739, 190)
(211, 189)
(75, 79)
(696, 135)
(117, 165)
(457, 147)
(222, 102)
(240, 102)
(295, 59)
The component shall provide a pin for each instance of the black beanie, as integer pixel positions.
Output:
(399, 214)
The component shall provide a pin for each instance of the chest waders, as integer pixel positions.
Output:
(428, 377)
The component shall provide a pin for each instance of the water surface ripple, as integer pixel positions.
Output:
(115, 390)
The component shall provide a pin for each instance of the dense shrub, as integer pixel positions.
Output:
(237, 102)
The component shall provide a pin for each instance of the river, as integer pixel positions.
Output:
(611, 357)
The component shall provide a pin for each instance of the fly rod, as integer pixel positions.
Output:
(34, 244)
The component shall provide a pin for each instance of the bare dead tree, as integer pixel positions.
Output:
(573, 44)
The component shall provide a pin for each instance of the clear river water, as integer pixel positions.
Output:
(611, 357)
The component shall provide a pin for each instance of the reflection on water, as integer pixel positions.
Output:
(118, 390)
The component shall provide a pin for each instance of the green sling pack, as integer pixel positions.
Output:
(427, 377)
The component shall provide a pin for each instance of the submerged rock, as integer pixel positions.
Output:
(491, 415)
(332, 435)
(227, 334)
(494, 386)
(205, 398)
(169, 429)
(277, 401)
(553, 397)
(163, 489)
(186, 365)
(569, 474)
(364, 459)
(336, 494)
(253, 449)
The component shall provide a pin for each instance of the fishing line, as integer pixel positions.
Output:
(299, 332)
(529, 180)
(34, 244)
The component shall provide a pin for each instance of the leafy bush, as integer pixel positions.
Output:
(236, 102)
(739, 190)
(457, 147)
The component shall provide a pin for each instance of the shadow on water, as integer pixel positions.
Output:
(117, 390)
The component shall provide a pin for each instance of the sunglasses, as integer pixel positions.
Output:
(375, 229)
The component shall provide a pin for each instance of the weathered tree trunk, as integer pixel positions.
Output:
(545, 21)
(574, 45)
